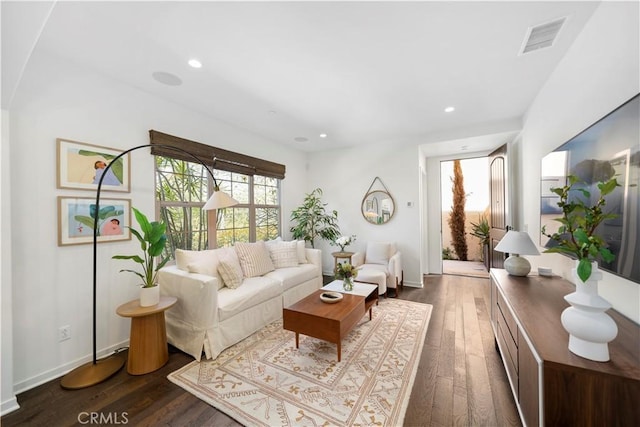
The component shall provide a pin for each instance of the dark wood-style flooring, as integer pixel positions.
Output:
(460, 380)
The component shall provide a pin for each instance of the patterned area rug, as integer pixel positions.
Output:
(265, 381)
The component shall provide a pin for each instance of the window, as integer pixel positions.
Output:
(183, 187)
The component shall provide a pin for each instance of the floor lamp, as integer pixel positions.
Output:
(95, 372)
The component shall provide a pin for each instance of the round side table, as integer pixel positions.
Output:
(148, 349)
(341, 255)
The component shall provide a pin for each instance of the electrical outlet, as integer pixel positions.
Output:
(64, 333)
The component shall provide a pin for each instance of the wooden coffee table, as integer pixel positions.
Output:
(329, 322)
(368, 290)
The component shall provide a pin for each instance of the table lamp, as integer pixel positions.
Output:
(517, 243)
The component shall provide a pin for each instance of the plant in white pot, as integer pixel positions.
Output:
(590, 328)
(152, 240)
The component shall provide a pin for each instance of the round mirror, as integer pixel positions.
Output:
(378, 207)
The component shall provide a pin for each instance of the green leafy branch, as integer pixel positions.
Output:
(576, 235)
(152, 242)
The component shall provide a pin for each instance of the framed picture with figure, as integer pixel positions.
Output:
(81, 165)
(76, 216)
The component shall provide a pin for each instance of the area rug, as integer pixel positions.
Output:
(265, 381)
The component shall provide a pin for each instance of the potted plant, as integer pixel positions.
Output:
(481, 230)
(590, 328)
(152, 240)
(577, 236)
(312, 220)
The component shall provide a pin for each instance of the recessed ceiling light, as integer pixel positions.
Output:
(195, 63)
(323, 135)
(167, 78)
(449, 109)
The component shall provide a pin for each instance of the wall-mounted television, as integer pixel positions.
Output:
(608, 148)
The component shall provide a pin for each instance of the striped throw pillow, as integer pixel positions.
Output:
(254, 258)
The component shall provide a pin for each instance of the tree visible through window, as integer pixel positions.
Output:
(182, 188)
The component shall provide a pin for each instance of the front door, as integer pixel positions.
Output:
(498, 209)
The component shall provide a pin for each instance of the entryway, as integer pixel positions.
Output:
(463, 253)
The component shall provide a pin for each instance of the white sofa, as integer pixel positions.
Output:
(211, 316)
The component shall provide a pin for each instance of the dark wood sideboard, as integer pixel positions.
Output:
(551, 385)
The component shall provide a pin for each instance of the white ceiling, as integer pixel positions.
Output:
(362, 72)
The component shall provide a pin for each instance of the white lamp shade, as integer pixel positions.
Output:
(517, 242)
(218, 200)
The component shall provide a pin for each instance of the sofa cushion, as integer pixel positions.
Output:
(207, 268)
(253, 291)
(254, 258)
(373, 267)
(201, 262)
(185, 257)
(284, 254)
(293, 276)
(377, 253)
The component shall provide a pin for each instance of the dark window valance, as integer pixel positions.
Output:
(226, 160)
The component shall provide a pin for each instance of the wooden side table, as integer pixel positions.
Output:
(341, 255)
(148, 349)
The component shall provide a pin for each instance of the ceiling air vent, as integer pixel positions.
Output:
(541, 36)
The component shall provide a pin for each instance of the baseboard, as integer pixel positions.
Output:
(59, 371)
(412, 284)
(8, 406)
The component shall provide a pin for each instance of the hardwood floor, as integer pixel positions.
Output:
(460, 379)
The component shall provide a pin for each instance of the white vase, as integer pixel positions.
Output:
(590, 328)
(149, 296)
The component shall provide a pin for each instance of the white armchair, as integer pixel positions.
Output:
(381, 257)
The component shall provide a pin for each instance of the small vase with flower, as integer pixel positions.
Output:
(347, 273)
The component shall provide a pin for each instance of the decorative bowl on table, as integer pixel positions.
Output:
(330, 297)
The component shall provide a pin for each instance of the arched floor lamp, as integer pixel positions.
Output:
(95, 372)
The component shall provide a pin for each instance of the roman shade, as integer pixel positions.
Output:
(226, 160)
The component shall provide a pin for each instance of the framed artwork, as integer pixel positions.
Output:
(81, 165)
(76, 217)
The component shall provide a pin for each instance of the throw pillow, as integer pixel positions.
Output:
(254, 258)
(302, 254)
(284, 254)
(377, 253)
(231, 274)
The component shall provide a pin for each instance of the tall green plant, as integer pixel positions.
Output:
(312, 220)
(577, 236)
(152, 241)
(457, 218)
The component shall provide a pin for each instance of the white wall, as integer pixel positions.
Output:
(52, 286)
(345, 176)
(598, 74)
(8, 400)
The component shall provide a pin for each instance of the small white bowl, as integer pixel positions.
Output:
(330, 297)
(545, 271)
